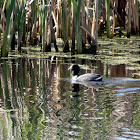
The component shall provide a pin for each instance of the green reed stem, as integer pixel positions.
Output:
(78, 28)
(5, 46)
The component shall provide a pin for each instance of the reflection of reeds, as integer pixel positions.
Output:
(39, 99)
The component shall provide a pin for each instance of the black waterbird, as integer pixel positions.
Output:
(88, 77)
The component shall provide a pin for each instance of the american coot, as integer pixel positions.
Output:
(84, 77)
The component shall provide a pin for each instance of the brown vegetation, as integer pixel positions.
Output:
(42, 22)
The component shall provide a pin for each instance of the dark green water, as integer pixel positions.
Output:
(38, 102)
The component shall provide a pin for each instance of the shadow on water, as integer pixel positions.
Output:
(37, 101)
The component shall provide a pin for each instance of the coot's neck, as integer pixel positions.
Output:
(74, 73)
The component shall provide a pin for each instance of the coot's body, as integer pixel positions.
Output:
(84, 77)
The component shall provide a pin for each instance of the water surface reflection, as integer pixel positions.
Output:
(37, 101)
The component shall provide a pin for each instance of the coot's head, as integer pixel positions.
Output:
(74, 69)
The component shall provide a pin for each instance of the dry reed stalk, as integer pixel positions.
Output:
(128, 24)
(73, 29)
(108, 17)
(59, 19)
(83, 24)
(65, 26)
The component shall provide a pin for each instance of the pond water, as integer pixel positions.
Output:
(38, 101)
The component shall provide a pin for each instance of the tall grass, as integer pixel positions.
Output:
(43, 21)
(75, 20)
(20, 21)
(136, 15)
(5, 46)
(78, 29)
(65, 26)
(108, 17)
(73, 27)
(95, 28)
(128, 25)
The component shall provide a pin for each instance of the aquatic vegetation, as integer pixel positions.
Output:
(38, 100)
(40, 22)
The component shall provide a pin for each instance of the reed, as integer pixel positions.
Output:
(75, 20)
(5, 46)
(42, 16)
(59, 19)
(12, 40)
(33, 31)
(69, 19)
(48, 26)
(108, 17)
(73, 27)
(43, 21)
(20, 21)
(65, 26)
(136, 16)
(83, 24)
(113, 26)
(53, 27)
(78, 28)
(95, 28)
(128, 24)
